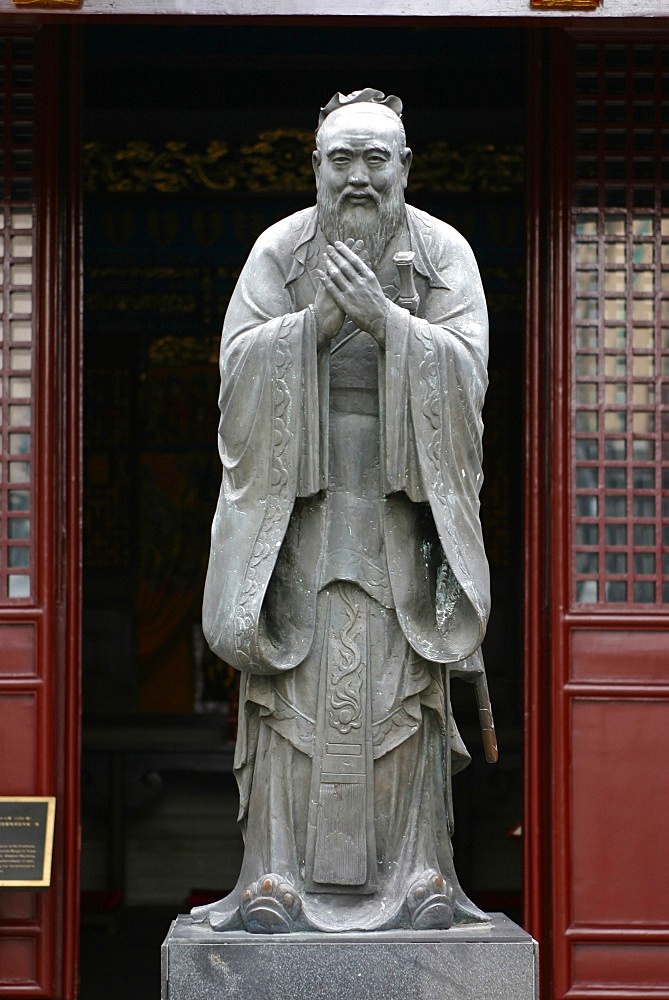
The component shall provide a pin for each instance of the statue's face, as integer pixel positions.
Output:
(360, 159)
(361, 168)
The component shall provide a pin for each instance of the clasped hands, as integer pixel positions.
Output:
(349, 287)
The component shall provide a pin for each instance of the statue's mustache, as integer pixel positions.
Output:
(352, 193)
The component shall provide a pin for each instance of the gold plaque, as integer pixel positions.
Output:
(26, 841)
(47, 3)
(564, 4)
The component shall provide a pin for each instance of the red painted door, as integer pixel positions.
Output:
(598, 520)
(39, 498)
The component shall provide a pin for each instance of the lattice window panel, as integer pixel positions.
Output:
(620, 310)
(17, 247)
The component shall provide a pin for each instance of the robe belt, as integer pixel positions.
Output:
(341, 849)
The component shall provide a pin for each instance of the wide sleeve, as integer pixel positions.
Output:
(269, 446)
(435, 383)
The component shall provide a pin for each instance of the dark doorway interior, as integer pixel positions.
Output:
(196, 139)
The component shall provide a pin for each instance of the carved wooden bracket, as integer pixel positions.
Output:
(564, 4)
(47, 3)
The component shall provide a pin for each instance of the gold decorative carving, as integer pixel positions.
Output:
(564, 4)
(480, 167)
(169, 351)
(47, 3)
(167, 303)
(280, 161)
(138, 167)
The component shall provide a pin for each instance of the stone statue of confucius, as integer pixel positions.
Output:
(347, 580)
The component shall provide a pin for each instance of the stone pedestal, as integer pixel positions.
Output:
(495, 962)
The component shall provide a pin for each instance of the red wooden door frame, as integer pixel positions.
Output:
(69, 376)
(39, 931)
(558, 684)
(60, 316)
(537, 431)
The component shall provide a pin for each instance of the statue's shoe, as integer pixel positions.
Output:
(269, 906)
(201, 913)
(430, 902)
(467, 913)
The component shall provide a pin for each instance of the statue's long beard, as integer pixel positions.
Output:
(374, 224)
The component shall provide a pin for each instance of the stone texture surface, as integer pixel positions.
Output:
(493, 962)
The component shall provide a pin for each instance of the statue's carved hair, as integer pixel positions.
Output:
(390, 107)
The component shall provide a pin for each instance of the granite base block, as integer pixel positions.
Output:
(493, 962)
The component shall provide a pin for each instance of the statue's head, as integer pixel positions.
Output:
(361, 164)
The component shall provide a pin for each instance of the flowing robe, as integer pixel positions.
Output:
(267, 587)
